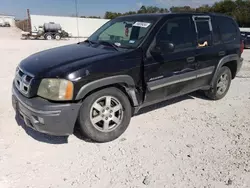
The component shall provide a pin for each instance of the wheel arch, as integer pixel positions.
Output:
(123, 82)
(231, 62)
(232, 65)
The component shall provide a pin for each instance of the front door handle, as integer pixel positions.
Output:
(222, 53)
(190, 59)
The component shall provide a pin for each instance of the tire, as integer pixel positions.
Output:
(221, 84)
(48, 36)
(57, 36)
(96, 108)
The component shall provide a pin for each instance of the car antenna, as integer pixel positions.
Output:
(77, 21)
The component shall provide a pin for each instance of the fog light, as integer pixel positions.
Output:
(41, 120)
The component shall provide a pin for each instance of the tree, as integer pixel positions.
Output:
(163, 10)
(226, 7)
(239, 9)
(97, 17)
(151, 9)
(242, 12)
(182, 9)
(142, 10)
(111, 15)
(204, 8)
(130, 13)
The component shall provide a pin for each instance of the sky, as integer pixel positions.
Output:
(86, 7)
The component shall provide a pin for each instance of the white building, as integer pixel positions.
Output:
(8, 19)
(86, 25)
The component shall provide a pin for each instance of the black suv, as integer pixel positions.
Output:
(129, 63)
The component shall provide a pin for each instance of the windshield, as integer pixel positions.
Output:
(122, 33)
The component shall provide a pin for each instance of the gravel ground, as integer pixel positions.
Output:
(186, 142)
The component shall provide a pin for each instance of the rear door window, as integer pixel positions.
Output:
(204, 31)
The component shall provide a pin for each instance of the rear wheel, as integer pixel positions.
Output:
(221, 84)
(105, 115)
(48, 36)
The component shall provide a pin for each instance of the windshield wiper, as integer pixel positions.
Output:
(87, 41)
(108, 44)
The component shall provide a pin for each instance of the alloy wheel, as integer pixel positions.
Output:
(106, 113)
(222, 84)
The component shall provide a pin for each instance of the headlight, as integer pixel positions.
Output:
(56, 89)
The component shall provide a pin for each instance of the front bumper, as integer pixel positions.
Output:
(44, 116)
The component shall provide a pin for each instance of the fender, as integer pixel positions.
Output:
(120, 79)
(224, 60)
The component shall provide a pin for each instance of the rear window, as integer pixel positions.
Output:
(228, 29)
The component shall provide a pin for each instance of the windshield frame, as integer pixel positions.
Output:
(149, 19)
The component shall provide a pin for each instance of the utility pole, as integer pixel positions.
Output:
(77, 22)
(29, 21)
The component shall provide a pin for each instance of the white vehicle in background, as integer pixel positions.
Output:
(4, 24)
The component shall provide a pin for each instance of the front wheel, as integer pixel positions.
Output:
(105, 115)
(57, 36)
(221, 84)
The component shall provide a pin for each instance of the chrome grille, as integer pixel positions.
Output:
(23, 81)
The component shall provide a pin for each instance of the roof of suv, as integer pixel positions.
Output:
(160, 15)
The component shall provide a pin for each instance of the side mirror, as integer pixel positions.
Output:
(163, 47)
(167, 47)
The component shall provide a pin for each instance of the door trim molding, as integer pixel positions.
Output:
(157, 84)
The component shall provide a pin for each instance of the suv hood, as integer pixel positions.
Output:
(47, 60)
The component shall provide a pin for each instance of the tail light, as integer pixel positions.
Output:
(242, 47)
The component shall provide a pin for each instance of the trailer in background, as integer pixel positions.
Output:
(48, 31)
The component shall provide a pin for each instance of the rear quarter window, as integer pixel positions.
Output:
(216, 32)
(228, 29)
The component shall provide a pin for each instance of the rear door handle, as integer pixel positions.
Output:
(190, 59)
(222, 53)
